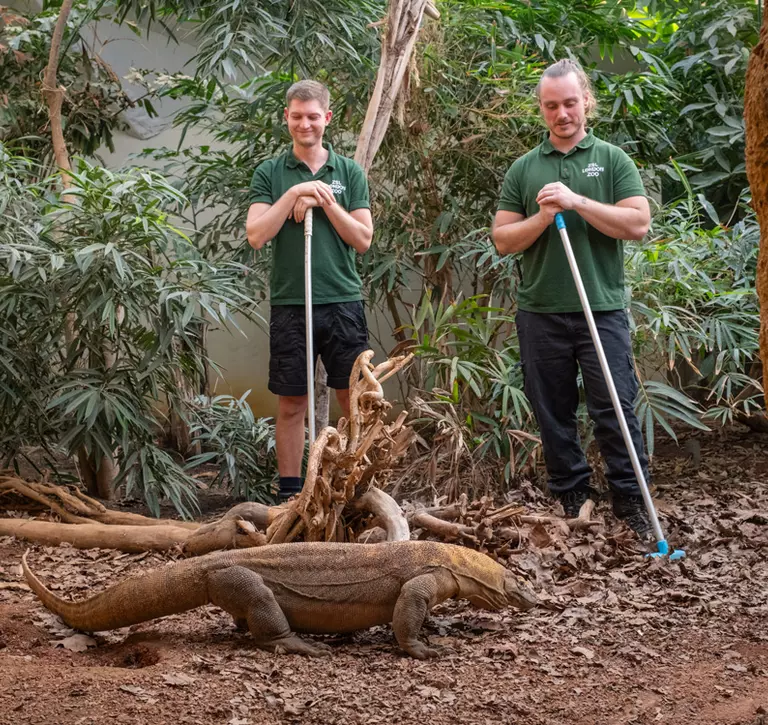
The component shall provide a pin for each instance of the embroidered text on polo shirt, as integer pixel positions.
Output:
(593, 170)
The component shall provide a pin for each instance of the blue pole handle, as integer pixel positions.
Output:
(559, 221)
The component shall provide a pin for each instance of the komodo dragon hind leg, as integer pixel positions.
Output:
(417, 597)
(243, 594)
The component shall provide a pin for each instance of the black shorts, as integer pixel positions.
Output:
(339, 335)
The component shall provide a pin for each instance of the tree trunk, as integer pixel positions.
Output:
(402, 26)
(180, 437)
(756, 120)
(97, 478)
(54, 96)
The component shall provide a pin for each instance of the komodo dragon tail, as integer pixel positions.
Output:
(158, 593)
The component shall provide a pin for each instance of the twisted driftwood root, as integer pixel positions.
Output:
(70, 504)
(494, 531)
(478, 525)
(347, 465)
(86, 523)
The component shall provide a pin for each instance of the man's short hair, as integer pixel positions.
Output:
(309, 91)
(563, 68)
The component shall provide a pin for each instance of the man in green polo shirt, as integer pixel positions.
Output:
(597, 188)
(308, 175)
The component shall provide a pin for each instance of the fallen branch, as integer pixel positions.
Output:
(224, 534)
(446, 530)
(584, 519)
(71, 505)
(86, 523)
(496, 531)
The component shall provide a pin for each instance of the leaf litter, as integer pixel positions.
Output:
(619, 638)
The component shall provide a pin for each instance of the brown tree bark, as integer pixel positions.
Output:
(227, 533)
(54, 95)
(401, 29)
(97, 477)
(756, 120)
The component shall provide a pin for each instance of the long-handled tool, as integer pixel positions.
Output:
(661, 542)
(308, 323)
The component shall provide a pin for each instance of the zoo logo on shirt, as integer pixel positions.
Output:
(337, 187)
(593, 169)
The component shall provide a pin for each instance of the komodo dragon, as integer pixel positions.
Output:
(317, 588)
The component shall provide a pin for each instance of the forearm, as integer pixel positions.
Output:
(261, 229)
(353, 232)
(518, 236)
(618, 222)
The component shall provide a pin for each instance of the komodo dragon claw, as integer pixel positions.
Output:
(422, 651)
(297, 646)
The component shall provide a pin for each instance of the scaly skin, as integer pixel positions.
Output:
(317, 588)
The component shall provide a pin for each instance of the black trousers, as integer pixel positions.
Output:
(553, 348)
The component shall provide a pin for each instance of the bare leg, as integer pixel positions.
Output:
(289, 434)
(417, 597)
(343, 397)
(243, 594)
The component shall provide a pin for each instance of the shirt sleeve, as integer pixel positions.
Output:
(261, 185)
(359, 196)
(511, 194)
(626, 178)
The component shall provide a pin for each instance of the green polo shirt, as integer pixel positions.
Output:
(334, 275)
(595, 169)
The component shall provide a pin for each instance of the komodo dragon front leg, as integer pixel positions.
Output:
(417, 597)
(243, 594)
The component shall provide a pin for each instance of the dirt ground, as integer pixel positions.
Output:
(620, 639)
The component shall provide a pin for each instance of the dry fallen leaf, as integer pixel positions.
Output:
(539, 537)
(133, 689)
(76, 643)
(588, 653)
(178, 679)
(294, 707)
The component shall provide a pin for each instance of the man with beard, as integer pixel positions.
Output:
(310, 175)
(598, 189)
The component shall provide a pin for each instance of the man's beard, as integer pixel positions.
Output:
(566, 131)
(563, 132)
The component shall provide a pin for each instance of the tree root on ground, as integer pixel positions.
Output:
(70, 504)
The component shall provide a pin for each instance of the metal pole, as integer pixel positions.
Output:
(609, 382)
(308, 324)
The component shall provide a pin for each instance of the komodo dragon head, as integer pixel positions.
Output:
(487, 584)
(519, 594)
(515, 592)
